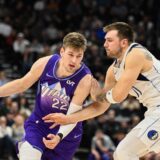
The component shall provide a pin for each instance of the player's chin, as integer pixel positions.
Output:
(71, 70)
(110, 55)
(50, 147)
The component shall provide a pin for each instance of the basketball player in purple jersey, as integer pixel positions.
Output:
(64, 84)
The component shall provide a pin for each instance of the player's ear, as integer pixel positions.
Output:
(61, 51)
(124, 42)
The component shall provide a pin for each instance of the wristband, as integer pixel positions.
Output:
(60, 135)
(109, 97)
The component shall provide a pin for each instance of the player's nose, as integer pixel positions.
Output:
(74, 60)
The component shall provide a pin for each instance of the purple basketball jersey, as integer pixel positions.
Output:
(54, 96)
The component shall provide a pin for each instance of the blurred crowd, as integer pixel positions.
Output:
(33, 29)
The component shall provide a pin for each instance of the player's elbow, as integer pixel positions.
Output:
(22, 85)
(119, 97)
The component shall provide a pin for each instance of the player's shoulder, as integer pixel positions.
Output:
(46, 58)
(138, 51)
(85, 81)
(41, 62)
(136, 54)
(87, 78)
(135, 59)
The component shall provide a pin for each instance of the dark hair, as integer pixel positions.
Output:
(75, 40)
(124, 30)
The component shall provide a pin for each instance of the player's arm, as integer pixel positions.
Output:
(82, 90)
(109, 84)
(134, 65)
(109, 79)
(20, 85)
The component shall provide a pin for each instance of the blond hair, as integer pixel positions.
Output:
(75, 40)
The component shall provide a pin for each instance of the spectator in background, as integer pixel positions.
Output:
(5, 106)
(89, 128)
(3, 78)
(6, 144)
(118, 136)
(14, 109)
(5, 27)
(24, 107)
(111, 125)
(20, 47)
(20, 43)
(135, 119)
(102, 146)
(17, 127)
(130, 103)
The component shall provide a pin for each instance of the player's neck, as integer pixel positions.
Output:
(122, 54)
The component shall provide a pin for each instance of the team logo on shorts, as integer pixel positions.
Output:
(152, 134)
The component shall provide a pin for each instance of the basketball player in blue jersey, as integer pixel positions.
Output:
(135, 71)
(64, 82)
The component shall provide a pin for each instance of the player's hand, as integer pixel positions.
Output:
(96, 90)
(51, 141)
(56, 118)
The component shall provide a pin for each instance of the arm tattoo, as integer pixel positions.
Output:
(148, 56)
(101, 97)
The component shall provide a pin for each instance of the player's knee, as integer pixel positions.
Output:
(27, 152)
